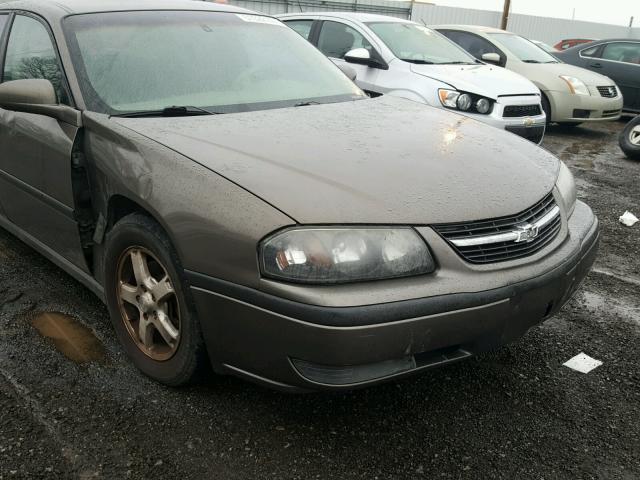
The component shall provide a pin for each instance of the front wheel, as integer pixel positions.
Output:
(629, 139)
(150, 308)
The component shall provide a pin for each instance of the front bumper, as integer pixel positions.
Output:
(566, 107)
(297, 346)
(530, 127)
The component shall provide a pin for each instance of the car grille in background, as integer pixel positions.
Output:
(521, 111)
(490, 241)
(609, 92)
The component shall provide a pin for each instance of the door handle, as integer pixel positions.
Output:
(596, 65)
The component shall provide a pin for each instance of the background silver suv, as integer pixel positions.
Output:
(406, 59)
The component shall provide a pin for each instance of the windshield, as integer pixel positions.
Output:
(218, 61)
(523, 49)
(418, 44)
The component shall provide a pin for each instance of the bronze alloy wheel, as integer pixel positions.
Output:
(148, 303)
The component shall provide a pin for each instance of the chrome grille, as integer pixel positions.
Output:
(505, 238)
(608, 92)
(511, 111)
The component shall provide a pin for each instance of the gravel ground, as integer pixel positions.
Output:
(514, 413)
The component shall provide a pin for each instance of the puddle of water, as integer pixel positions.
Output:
(618, 307)
(70, 337)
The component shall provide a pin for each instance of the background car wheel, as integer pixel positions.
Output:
(546, 108)
(150, 305)
(629, 139)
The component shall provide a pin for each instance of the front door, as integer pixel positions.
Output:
(336, 39)
(35, 151)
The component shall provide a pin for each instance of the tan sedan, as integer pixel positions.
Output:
(570, 95)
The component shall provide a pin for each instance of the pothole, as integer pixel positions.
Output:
(70, 337)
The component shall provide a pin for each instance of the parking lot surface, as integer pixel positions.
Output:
(81, 410)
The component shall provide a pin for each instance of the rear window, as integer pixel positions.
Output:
(303, 27)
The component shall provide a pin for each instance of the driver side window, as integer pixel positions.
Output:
(475, 45)
(336, 39)
(31, 55)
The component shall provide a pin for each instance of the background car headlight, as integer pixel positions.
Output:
(483, 105)
(576, 86)
(466, 102)
(566, 185)
(341, 254)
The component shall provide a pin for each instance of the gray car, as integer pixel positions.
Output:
(618, 59)
(237, 201)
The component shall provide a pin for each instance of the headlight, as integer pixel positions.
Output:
(340, 254)
(483, 105)
(466, 102)
(576, 86)
(566, 185)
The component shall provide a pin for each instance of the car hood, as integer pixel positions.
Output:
(545, 73)
(485, 80)
(376, 161)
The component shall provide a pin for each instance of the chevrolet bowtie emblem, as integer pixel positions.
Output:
(526, 233)
(528, 122)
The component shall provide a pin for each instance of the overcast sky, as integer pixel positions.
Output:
(616, 12)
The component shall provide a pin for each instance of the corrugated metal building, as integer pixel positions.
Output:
(392, 8)
(549, 30)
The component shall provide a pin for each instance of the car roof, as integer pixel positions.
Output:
(355, 16)
(470, 28)
(63, 8)
(597, 43)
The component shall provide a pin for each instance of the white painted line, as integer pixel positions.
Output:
(582, 363)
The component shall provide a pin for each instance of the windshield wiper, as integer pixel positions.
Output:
(306, 104)
(454, 63)
(173, 111)
(419, 62)
(530, 61)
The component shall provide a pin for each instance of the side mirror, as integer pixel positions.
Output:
(348, 71)
(39, 97)
(491, 57)
(361, 56)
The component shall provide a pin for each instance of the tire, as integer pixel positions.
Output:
(546, 108)
(629, 139)
(151, 341)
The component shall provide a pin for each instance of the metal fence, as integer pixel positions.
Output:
(550, 30)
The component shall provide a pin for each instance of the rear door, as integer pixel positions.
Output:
(620, 61)
(4, 20)
(35, 162)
